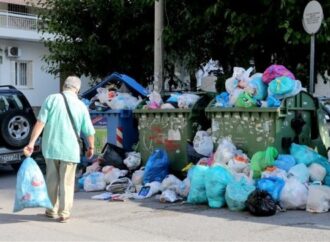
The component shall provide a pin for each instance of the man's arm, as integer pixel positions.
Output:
(37, 129)
(90, 149)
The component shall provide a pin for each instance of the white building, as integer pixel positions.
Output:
(21, 52)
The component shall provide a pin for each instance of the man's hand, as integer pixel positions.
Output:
(90, 152)
(28, 150)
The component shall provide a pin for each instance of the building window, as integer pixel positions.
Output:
(22, 73)
(14, 8)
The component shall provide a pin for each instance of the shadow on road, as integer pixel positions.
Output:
(9, 218)
(290, 218)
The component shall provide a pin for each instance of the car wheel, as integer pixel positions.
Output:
(16, 128)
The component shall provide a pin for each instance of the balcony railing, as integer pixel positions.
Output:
(18, 21)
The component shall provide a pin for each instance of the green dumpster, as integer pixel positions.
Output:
(322, 142)
(254, 129)
(170, 129)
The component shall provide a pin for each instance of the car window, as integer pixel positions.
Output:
(10, 102)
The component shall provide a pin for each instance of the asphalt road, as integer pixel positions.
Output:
(150, 220)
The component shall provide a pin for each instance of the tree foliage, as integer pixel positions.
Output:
(97, 37)
(238, 32)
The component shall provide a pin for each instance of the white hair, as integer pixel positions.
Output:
(72, 82)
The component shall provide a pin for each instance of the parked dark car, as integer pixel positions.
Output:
(16, 122)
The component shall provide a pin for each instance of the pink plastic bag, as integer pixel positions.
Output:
(274, 71)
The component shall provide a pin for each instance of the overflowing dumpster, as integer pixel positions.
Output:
(253, 129)
(171, 129)
(115, 126)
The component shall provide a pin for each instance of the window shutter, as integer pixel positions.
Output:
(13, 73)
(29, 75)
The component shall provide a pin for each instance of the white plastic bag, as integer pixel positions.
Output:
(187, 100)
(294, 194)
(94, 182)
(184, 188)
(168, 196)
(95, 166)
(137, 177)
(276, 172)
(155, 100)
(170, 182)
(102, 196)
(316, 172)
(238, 163)
(234, 96)
(239, 80)
(211, 65)
(225, 151)
(103, 96)
(318, 200)
(111, 173)
(153, 188)
(124, 101)
(203, 143)
(133, 160)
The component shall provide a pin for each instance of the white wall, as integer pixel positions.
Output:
(43, 83)
(322, 88)
(85, 83)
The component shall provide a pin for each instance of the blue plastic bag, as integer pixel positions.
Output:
(304, 154)
(222, 99)
(260, 87)
(273, 102)
(237, 193)
(216, 180)
(173, 98)
(285, 162)
(281, 85)
(31, 190)
(272, 185)
(299, 171)
(197, 192)
(157, 167)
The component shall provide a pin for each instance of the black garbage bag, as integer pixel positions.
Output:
(261, 203)
(113, 156)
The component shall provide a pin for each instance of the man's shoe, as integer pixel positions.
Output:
(63, 219)
(49, 215)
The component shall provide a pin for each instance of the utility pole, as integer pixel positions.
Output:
(158, 46)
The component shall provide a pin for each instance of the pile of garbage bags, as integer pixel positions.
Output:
(172, 101)
(265, 89)
(225, 176)
(112, 98)
(219, 175)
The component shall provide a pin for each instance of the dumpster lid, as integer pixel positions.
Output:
(129, 81)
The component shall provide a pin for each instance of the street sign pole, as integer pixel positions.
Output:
(311, 67)
(312, 19)
(158, 48)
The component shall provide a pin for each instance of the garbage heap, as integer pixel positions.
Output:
(221, 174)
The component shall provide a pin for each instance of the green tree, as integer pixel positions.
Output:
(97, 37)
(236, 32)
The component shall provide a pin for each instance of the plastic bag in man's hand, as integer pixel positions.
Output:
(31, 190)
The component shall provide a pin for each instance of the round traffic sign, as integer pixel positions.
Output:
(313, 16)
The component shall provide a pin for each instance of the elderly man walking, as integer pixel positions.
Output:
(60, 146)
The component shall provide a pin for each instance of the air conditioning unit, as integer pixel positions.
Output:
(13, 51)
